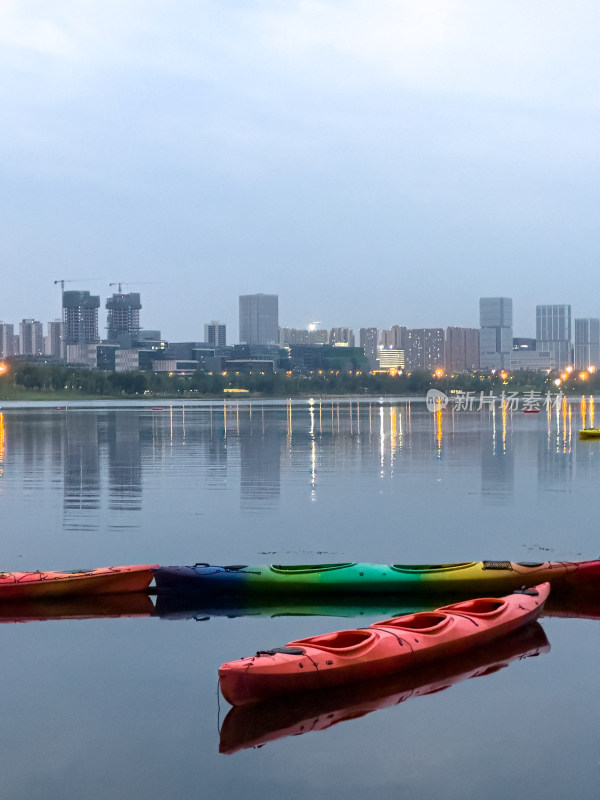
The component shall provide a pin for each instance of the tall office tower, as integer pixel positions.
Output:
(80, 318)
(425, 348)
(587, 343)
(369, 341)
(31, 338)
(54, 339)
(495, 332)
(343, 336)
(123, 317)
(394, 338)
(553, 333)
(7, 340)
(259, 319)
(461, 351)
(215, 333)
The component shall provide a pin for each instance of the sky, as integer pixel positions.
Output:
(372, 162)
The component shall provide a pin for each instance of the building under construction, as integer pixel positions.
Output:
(123, 317)
(80, 317)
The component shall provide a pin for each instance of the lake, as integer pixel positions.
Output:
(126, 704)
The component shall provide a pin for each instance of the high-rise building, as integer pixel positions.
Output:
(495, 332)
(587, 343)
(31, 338)
(553, 333)
(215, 333)
(425, 349)
(259, 319)
(461, 349)
(80, 318)
(7, 340)
(54, 340)
(394, 338)
(123, 317)
(369, 341)
(341, 336)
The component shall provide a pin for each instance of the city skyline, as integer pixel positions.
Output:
(232, 325)
(490, 347)
(370, 163)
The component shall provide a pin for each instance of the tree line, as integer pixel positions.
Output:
(31, 379)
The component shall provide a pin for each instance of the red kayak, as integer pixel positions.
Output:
(106, 580)
(256, 724)
(386, 647)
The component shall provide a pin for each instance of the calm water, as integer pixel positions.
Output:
(128, 706)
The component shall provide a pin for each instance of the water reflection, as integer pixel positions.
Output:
(248, 447)
(81, 466)
(1, 446)
(293, 715)
(108, 606)
(260, 460)
(497, 459)
(124, 461)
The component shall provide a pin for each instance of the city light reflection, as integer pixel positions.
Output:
(1, 445)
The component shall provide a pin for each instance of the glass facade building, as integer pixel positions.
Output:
(495, 332)
(553, 333)
(259, 319)
(587, 343)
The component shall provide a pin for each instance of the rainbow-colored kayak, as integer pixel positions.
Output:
(105, 580)
(474, 577)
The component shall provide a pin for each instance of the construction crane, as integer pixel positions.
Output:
(126, 283)
(62, 281)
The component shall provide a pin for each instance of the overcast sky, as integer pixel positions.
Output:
(372, 162)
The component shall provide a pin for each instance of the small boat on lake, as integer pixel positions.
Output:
(589, 433)
(257, 724)
(384, 648)
(105, 580)
(473, 577)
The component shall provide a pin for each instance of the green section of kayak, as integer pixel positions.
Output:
(365, 577)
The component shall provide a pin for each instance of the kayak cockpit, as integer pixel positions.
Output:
(422, 621)
(480, 606)
(432, 568)
(307, 569)
(339, 640)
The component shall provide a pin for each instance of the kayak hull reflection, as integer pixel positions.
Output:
(256, 724)
(382, 649)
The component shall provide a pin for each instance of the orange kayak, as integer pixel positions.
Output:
(256, 724)
(385, 647)
(105, 580)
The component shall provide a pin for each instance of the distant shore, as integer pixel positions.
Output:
(57, 383)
